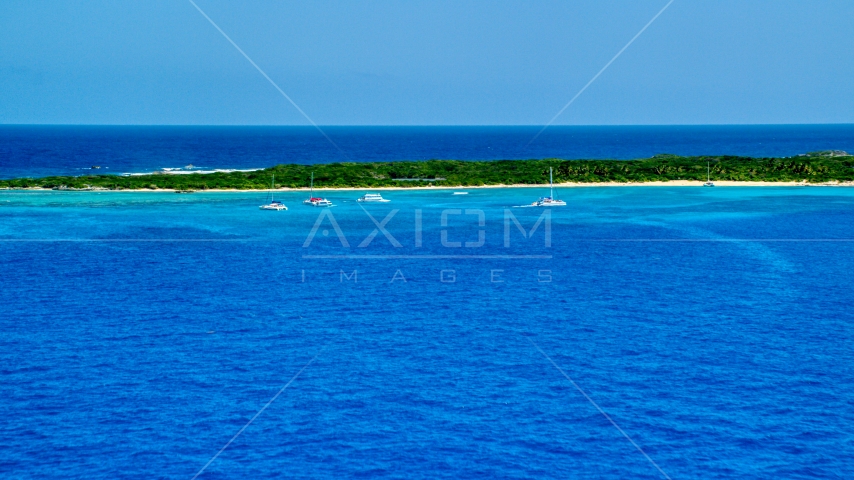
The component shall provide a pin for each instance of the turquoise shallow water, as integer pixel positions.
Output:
(712, 325)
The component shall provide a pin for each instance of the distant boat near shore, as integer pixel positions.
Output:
(372, 198)
(708, 177)
(549, 201)
(315, 201)
(274, 204)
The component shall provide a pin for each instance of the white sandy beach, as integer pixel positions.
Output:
(673, 183)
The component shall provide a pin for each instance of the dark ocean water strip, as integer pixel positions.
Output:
(37, 151)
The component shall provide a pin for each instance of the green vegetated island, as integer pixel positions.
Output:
(814, 168)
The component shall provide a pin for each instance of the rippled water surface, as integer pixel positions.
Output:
(142, 331)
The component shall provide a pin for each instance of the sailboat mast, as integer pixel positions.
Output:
(311, 188)
(272, 186)
(551, 185)
(708, 176)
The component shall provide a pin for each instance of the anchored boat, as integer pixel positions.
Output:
(372, 198)
(274, 204)
(315, 201)
(708, 177)
(549, 201)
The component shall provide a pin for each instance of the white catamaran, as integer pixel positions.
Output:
(549, 201)
(708, 177)
(315, 201)
(274, 204)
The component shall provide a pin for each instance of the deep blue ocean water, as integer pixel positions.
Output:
(38, 151)
(714, 326)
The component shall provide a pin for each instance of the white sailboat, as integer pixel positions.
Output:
(708, 177)
(274, 204)
(549, 201)
(315, 201)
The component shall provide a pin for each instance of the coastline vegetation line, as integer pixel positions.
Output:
(810, 169)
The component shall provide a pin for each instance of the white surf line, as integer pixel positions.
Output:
(600, 71)
(256, 415)
(300, 110)
(598, 408)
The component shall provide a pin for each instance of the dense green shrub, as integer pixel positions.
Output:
(448, 173)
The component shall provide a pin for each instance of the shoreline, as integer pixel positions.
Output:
(672, 183)
(660, 170)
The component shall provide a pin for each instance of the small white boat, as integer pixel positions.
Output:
(315, 201)
(372, 198)
(274, 204)
(549, 201)
(708, 177)
(461, 193)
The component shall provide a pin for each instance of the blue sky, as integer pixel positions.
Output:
(426, 63)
